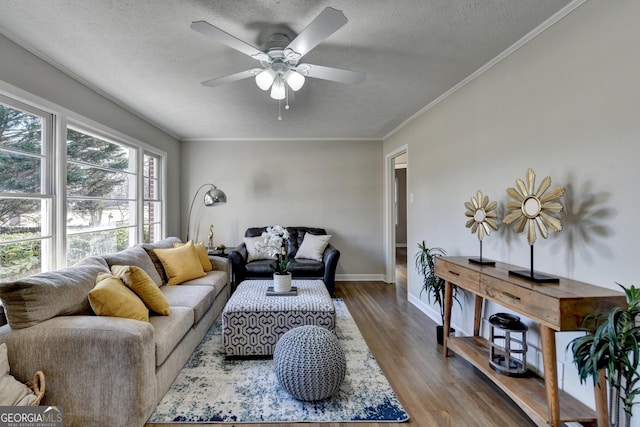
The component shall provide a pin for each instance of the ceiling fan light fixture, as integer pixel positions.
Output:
(278, 91)
(294, 79)
(265, 78)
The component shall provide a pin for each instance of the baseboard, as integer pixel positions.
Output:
(433, 314)
(360, 277)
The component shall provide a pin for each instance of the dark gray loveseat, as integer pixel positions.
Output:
(300, 268)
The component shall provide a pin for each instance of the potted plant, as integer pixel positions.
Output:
(274, 243)
(611, 344)
(433, 285)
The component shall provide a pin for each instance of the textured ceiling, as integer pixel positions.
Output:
(143, 55)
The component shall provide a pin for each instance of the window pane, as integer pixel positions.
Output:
(84, 215)
(89, 181)
(22, 218)
(19, 173)
(152, 223)
(20, 131)
(19, 259)
(89, 149)
(96, 243)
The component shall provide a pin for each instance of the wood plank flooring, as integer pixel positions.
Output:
(435, 390)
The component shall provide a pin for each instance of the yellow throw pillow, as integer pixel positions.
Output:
(201, 250)
(180, 264)
(110, 297)
(139, 282)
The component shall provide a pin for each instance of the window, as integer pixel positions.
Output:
(108, 191)
(101, 196)
(152, 198)
(26, 201)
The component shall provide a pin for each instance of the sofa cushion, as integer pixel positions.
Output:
(214, 278)
(43, 296)
(201, 250)
(137, 256)
(111, 297)
(306, 268)
(180, 264)
(169, 330)
(139, 282)
(198, 298)
(313, 246)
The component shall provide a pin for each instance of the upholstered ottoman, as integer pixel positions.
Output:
(252, 322)
(309, 363)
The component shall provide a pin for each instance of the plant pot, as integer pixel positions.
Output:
(440, 333)
(282, 282)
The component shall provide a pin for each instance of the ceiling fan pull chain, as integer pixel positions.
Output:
(279, 109)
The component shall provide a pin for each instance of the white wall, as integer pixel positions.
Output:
(336, 185)
(20, 71)
(566, 105)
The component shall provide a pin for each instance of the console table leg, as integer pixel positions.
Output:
(600, 389)
(477, 317)
(448, 297)
(550, 373)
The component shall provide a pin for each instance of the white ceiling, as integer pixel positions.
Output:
(143, 55)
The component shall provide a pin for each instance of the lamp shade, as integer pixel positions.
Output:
(215, 197)
(265, 78)
(294, 79)
(278, 91)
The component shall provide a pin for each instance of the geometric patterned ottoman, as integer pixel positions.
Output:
(252, 322)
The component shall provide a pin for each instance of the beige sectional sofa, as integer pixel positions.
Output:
(107, 371)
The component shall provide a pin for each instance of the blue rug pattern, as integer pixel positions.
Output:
(211, 388)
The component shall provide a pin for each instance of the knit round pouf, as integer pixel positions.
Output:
(309, 363)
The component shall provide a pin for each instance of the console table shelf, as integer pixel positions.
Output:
(528, 393)
(555, 307)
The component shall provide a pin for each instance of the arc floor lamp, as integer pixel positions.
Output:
(213, 197)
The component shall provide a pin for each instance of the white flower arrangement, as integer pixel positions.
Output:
(274, 243)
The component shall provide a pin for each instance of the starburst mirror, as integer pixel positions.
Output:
(534, 210)
(481, 221)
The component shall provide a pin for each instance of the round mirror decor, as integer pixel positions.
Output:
(534, 209)
(482, 218)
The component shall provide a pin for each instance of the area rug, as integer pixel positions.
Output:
(211, 388)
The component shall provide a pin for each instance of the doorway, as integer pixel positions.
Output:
(396, 169)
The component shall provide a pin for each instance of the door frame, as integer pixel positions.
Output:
(389, 211)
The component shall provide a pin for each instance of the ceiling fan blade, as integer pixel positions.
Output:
(318, 30)
(330, 73)
(216, 33)
(232, 77)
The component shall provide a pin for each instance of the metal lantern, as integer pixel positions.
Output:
(508, 345)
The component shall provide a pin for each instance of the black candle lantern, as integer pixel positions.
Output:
(508, 345)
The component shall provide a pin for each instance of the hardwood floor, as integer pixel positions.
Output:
(435, 390)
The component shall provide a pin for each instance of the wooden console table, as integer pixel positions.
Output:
(556, 307)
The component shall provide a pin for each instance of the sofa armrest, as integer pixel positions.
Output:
(93, 365)
(238, 257)
(219, 263)
(330, 259)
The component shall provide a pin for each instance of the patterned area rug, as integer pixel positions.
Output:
(211, 388)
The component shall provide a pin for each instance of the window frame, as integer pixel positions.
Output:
(54, 170)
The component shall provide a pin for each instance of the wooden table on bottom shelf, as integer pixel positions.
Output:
(556, 307)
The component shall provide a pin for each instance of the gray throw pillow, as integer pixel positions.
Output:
(135, 255)
(40, 297)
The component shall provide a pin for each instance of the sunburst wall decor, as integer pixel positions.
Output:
(482, 220)
(534, 209)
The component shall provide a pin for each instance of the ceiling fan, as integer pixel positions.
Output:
(280, 68)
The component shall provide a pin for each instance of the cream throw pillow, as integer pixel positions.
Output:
(202, 254)
(110, 297)
(181, 264)
(313, 246)
(253, 254)
(139, 282)
(12, 391)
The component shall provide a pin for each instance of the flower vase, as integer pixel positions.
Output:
(282, 282)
